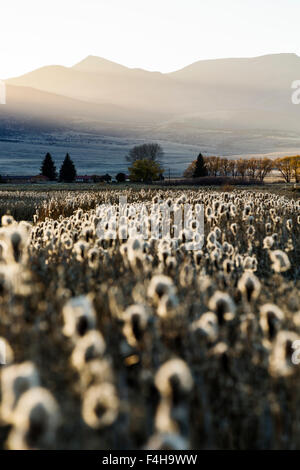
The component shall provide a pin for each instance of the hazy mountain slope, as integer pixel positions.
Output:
(228, 86)
(28, 105)
(133, 89)
(99, 109)
(264, 72)
(96, 64)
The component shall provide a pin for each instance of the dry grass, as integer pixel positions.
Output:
(100, 319)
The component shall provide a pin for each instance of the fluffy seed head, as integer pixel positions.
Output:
(281, 262)
(174, 379)
(100, 406)
(79, 316)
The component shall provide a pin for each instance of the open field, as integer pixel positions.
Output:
(22, 201)
(122, 342)
(21, 152)
(105, 154)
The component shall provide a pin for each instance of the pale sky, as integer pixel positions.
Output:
(162, 35)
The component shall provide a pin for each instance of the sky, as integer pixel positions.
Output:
(160, 35)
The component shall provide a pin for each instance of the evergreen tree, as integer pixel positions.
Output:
(107, 178)
(121, 177)
(200, 168)
(67, 171)
(48, 168)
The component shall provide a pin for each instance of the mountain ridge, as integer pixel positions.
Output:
(222, 106)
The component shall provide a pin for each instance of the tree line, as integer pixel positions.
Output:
(145, 165)
(67, 172)
(252, 168)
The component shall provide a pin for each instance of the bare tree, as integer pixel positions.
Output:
(295, 166)
(150, 151)
(241, 167)
(284, 166)
(188, 173)
(224, 166)
(212, 165)
(232, 168)
(252, 165)
(264, 167)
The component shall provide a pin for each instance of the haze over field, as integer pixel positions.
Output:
(226, 93)
(225, 107)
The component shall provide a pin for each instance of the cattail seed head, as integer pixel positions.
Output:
(89, 347)
(36, 419)
(174, 379)
(222, 304)
(249, 285)
(281, 262)
(79, 316)
(16, 380)
(100, 406)
(271, 318)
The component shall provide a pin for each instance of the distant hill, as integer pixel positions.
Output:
(225, 106)
(119, 86)
(29, 105)
(252, 92)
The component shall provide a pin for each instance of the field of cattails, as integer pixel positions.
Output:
(122, 342)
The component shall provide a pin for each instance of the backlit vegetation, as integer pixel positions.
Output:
(132, 343)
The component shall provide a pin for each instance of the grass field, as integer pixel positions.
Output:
(23, 200)
(128, 342)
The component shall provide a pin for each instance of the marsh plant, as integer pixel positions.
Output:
(114, 340)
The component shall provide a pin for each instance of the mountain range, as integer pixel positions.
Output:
(224, 106)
